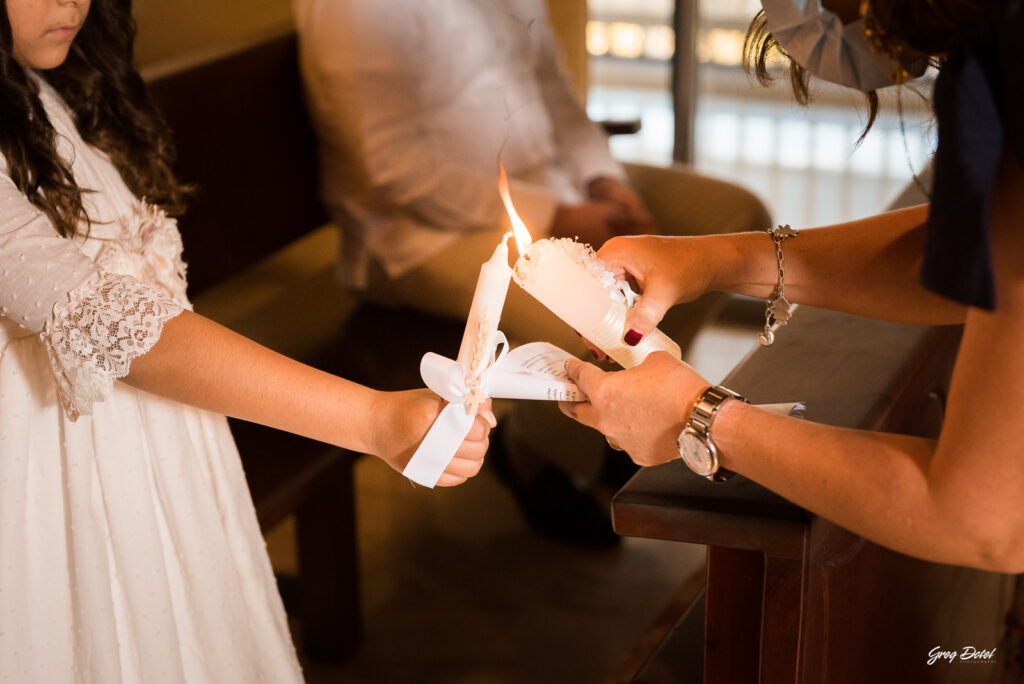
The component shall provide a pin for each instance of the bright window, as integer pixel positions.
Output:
(804, 163)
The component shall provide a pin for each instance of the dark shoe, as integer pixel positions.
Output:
(553, 505)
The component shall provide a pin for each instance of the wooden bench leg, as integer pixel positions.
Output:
(328, 566)
(781, 619)
(732, 626)
(752, 623)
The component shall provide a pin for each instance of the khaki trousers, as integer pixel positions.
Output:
(681, 203)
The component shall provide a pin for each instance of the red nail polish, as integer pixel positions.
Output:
(633, 337)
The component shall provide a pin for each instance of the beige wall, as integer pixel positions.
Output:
(569, 19)
(170, 28)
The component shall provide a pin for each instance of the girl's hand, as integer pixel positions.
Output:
(403, 418)
(667, 270)
(642, 409)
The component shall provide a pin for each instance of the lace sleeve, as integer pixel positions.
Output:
(93, 337)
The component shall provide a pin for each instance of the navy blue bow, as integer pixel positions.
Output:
(979, 104)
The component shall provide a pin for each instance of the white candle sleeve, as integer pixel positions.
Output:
(567, 278)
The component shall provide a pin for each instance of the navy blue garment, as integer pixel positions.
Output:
(979, 105)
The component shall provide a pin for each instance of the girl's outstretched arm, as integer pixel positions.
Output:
(199, 362)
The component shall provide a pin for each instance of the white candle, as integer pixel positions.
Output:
(482, 323)
(568, 278)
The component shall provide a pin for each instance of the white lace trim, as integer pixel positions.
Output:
(92, 338)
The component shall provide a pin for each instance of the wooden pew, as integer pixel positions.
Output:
(260, 261)
(791, 597)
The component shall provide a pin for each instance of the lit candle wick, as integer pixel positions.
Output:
(522, 235)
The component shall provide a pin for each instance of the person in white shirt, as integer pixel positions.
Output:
(415, 103)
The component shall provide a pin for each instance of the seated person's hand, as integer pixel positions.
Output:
(611, 209)
(592, 222)
(641, 409)
(403, 419)
(635, 219)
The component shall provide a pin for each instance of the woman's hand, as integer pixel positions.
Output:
(642, 409)
(405, 417)
(667, 271)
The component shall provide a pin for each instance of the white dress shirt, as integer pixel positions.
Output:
(415, 102)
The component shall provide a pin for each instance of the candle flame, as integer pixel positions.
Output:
(522, 235)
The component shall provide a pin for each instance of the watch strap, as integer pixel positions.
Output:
(704, 410)
(702, 418)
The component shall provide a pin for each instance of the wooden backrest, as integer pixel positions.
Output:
(244, 139)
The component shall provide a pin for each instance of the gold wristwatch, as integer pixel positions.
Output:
(696, 448)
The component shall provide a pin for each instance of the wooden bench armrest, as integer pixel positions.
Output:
(621, 126)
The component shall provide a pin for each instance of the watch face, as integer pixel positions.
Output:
(695, 452)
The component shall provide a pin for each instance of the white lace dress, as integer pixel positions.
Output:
(129, 547)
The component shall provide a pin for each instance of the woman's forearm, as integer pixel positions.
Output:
(199, 362)
(881, 486)
(957, 500)
(868, 267)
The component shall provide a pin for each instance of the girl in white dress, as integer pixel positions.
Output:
(129, 548)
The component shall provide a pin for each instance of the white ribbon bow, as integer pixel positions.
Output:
(532, 371)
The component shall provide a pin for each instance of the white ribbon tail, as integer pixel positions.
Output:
(439, 446)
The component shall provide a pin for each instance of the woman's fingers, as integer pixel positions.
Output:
(586, 376)
(642, 258)
(595, 351)
(658, 297)
(569, 408)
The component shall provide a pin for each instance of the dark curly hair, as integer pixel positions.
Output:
(112, 112)
(929, 27)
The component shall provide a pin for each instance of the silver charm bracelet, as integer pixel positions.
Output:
(777, 310)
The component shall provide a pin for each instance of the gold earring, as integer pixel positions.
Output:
(879, 42)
